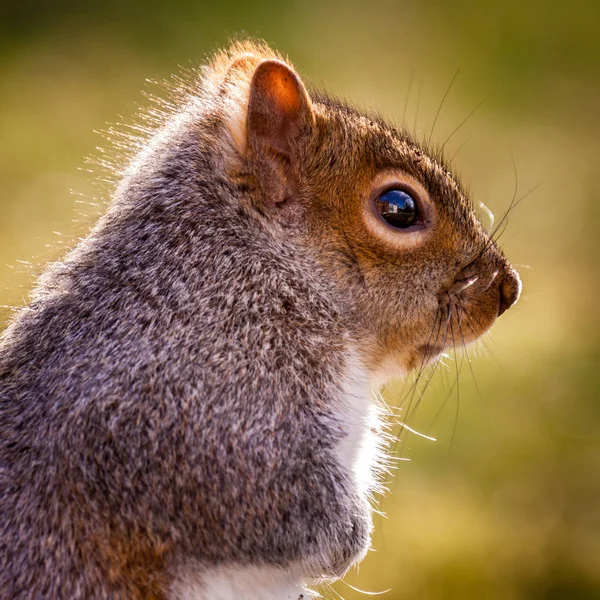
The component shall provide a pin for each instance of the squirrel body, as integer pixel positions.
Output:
(186, 405)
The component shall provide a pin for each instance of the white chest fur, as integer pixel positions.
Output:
(237, 583)
(360, 450)
(359, 453)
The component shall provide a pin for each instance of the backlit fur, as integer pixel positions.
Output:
(188, 392)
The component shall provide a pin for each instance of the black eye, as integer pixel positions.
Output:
(397, 208)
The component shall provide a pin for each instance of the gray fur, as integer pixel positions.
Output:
(173, 379)
(172, 393)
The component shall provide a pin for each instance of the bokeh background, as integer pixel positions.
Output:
(506, 503)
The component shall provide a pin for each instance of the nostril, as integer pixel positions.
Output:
(510, 289)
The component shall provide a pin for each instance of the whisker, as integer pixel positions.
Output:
(365, 592)
(424, 359)
(405, 426)
(455, 130)
(489, 213)
(514, 202)
(514, 205)
(399, 440)
(468, 283)
(414, 389)
(467, 353)
(444, 403)
(458, 371)
(410, 414)
(481, 339)
(437, 114)
(410, 82)
(418, 105)
(493, 235)
(331, 589)
(451, 159)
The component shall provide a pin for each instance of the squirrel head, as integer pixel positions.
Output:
(389, 222)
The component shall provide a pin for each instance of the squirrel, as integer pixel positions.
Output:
(186, 404)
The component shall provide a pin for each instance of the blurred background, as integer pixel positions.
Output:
(506, 503)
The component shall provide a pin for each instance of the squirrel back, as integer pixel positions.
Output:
(186, 401)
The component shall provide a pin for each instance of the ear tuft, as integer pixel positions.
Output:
(279, 109)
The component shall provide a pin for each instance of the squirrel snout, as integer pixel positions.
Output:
(509, 284)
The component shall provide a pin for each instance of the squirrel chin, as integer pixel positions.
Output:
(388, 369)
(391, 367)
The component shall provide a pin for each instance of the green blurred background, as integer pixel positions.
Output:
(506, 504)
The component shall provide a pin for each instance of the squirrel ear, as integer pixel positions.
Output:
(279, 109)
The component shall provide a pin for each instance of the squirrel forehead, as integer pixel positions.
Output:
(372, 143)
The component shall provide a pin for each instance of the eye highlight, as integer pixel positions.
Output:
(398, 209)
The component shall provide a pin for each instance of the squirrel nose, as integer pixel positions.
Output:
(510, 289)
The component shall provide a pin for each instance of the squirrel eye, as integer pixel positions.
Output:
(397, 208)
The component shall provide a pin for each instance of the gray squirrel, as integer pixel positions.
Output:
(186, 406)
